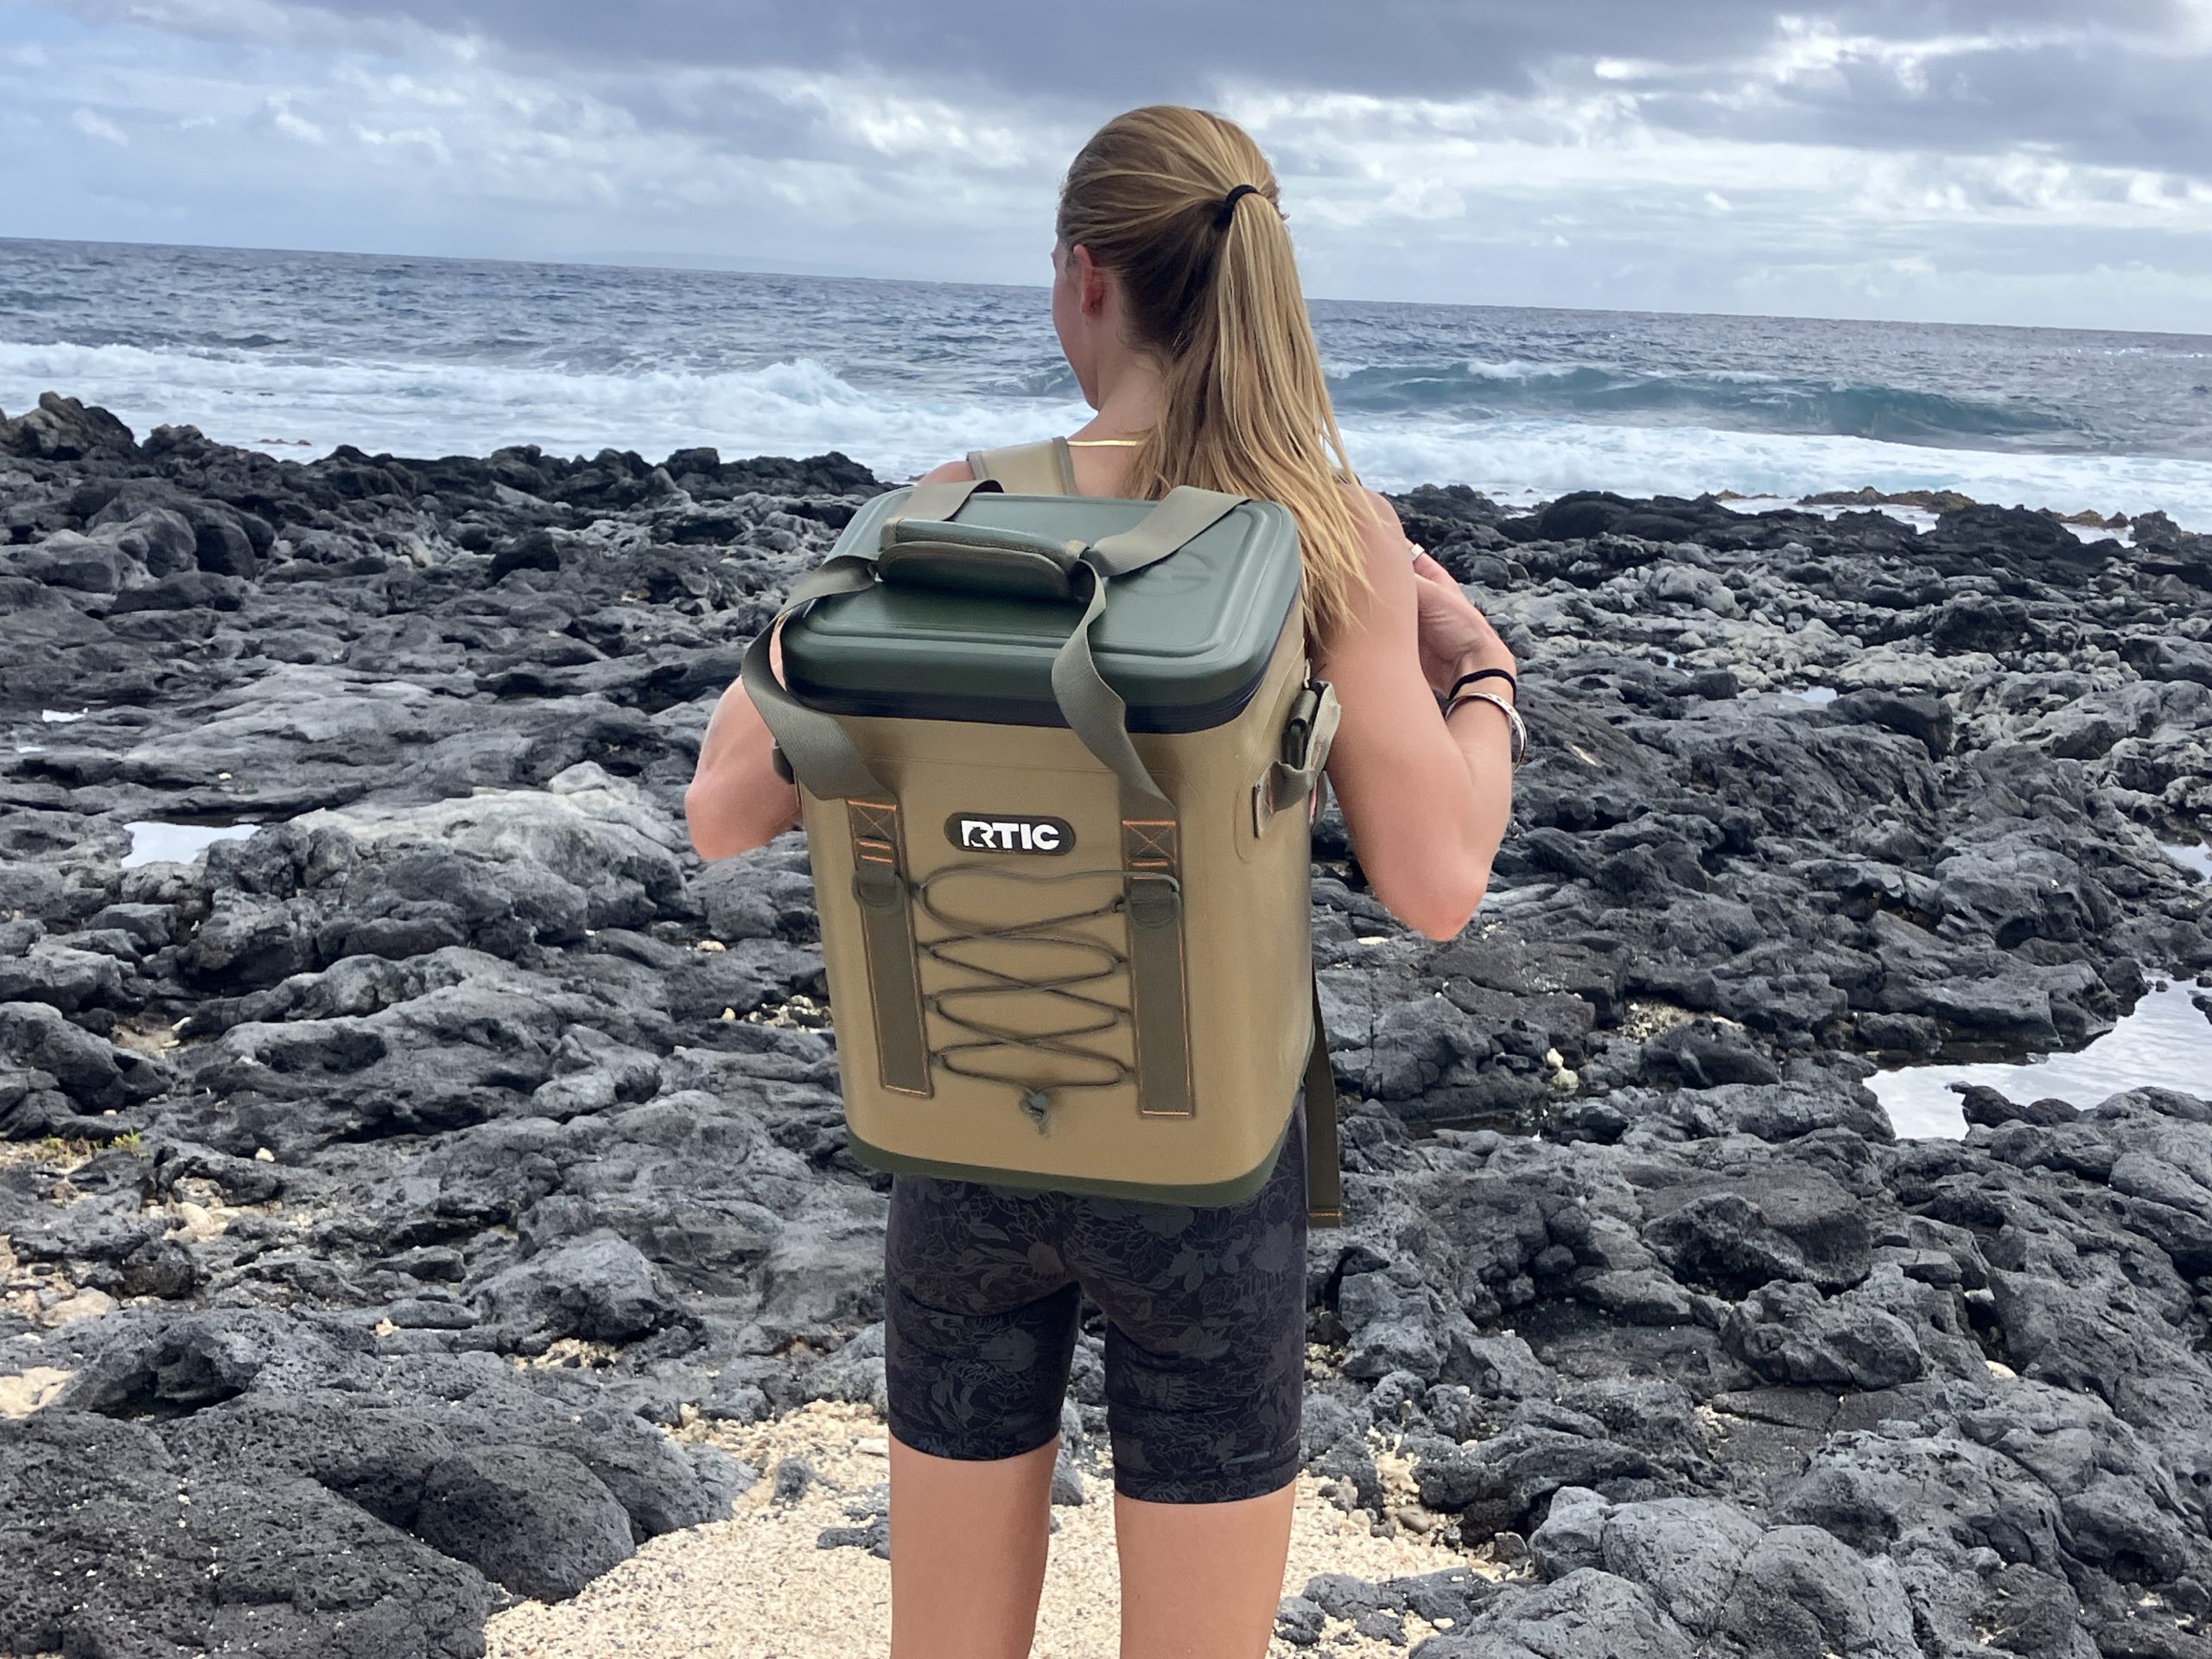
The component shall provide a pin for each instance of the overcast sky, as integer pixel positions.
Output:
(2043, 162)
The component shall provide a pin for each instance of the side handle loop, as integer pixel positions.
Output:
(810, 745)
(1297, 774)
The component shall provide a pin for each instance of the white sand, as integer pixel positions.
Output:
(21, 1395)
(755, 1586)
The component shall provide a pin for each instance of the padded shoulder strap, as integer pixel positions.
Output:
(1044, 468)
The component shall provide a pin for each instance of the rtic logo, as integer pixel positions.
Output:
(975, 832)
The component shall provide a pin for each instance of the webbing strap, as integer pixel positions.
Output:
(1152, 874)
(1324, 1181)
(887, 939)
(1092, 708)
(940, 500)
(813, 745)
(1046, 469)
(1182, 514)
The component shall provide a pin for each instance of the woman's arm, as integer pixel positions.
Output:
(736, 801)
(1427, 800)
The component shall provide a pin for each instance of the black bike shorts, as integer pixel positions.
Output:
(1205, 1332)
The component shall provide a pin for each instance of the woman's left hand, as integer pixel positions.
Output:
(1455, 636)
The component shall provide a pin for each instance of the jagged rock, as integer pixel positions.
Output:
(532, 1519)
(1586, 1615)
(462, 1057)
(600, 1289)
(61, 429)
(112, 1562)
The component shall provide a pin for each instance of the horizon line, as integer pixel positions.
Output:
(728, 265)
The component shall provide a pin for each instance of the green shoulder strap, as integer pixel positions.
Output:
(820, 753)
(1324, 1181)
(815, 745)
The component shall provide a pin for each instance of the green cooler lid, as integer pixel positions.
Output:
(1185, 642)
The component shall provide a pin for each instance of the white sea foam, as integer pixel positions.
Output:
(1522, 459)
(306, 405)
(791, 408)
(1522, 369)
(62, 716)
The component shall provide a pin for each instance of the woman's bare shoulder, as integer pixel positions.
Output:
(1376, 509)
(953, 471)
(1375, 518)
(1385, 550)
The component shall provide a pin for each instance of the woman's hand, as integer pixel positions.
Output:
(1455, 637)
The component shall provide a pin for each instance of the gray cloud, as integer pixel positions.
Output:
(2121, 84)
(2092, 102)
(1965, 159)
(1141, 48)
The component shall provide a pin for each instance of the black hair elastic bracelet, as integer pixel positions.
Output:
(1484, 674)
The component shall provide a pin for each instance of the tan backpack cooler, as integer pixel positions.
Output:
(1055, 755)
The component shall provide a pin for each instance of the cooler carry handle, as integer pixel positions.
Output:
(971, 558)
(944, 554)
(816, 748)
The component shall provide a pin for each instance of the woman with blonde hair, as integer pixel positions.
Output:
(1176, 297)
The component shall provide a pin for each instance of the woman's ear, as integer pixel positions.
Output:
(1090, 281)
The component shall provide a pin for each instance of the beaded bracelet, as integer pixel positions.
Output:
(1516, 726)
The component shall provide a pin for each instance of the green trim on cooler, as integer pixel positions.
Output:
(1217, 1192)
(1184, 643)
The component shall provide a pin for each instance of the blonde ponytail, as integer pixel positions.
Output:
(1211, 287)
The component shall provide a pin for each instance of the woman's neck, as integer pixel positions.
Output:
(1128, 400)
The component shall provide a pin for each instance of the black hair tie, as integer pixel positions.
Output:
(1227, 211)
(1505, 674)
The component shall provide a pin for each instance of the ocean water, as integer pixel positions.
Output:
(297, 353)
(152, 841)
(2163, 1043)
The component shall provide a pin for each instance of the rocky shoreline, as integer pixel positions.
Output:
(379, 1190)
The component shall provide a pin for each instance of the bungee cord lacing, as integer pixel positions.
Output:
(1098, 963)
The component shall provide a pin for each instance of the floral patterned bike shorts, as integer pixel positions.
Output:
(1205, 1334)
